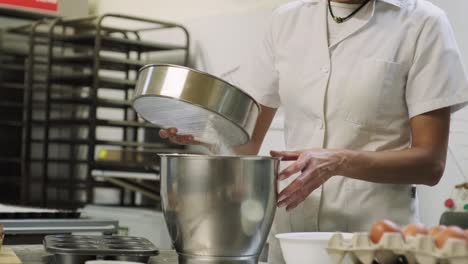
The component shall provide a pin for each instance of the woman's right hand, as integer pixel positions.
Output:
(181, 139)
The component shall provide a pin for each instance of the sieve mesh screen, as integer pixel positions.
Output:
(203, 124)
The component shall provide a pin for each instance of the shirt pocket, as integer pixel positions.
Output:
(374, 94)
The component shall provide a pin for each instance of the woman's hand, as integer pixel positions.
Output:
(316, 167)
(181, 139)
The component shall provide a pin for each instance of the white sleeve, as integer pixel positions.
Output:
(258, 75)
(437, 78)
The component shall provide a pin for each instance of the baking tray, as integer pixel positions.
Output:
(71, 249)
(459, 219)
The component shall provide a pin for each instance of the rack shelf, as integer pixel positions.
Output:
(59, 161)
(6, 123)
(11, 85)
(118, 44)
(74, 69)
(102, 102)
(11, 104)
(10, 180)
(86, 79)
(10, 160)
(108, 63)
(128, 167)
(77, 122)
(102, 143)
(12, 67)
(80, 184)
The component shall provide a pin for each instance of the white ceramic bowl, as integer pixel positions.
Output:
(306, 248)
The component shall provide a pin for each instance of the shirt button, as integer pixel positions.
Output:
(325, 69)
(322, 124)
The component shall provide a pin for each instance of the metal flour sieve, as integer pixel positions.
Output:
(195, 103)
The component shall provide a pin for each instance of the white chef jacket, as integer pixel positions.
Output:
(358, 93)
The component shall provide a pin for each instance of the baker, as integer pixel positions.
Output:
(367, 87)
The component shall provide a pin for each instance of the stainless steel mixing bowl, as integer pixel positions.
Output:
(196, 103)
(218, 209)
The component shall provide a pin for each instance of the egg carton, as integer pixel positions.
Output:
(392, 248)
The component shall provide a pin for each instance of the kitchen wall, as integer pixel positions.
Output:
(183, 10)
(224, 30)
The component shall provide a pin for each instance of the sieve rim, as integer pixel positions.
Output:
(203, 73)
(196, 156)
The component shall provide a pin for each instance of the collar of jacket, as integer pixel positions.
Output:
(397, 3)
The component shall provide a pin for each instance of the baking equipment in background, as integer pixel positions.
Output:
(218, 209)
(456, 205)
(195, 103)
(13, 56)
(140, 172)
(72, 249)
(76, 94)
(12, 66)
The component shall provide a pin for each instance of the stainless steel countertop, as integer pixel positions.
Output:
(35, 254)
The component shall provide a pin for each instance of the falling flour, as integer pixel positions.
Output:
(218, 141)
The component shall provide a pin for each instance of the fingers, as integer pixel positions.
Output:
(181, 139)
(292, 188)
(301, 188)
(316, 166)
(286, 155)
(167, 133)
(292, 169)
(292, 201)
(293, 195)
(163, 133)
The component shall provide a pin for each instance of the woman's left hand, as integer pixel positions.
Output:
(316, 167)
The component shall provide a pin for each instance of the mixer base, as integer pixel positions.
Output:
(187, 259)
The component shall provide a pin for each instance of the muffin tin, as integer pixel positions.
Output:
(392, 249)
(77, 249)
